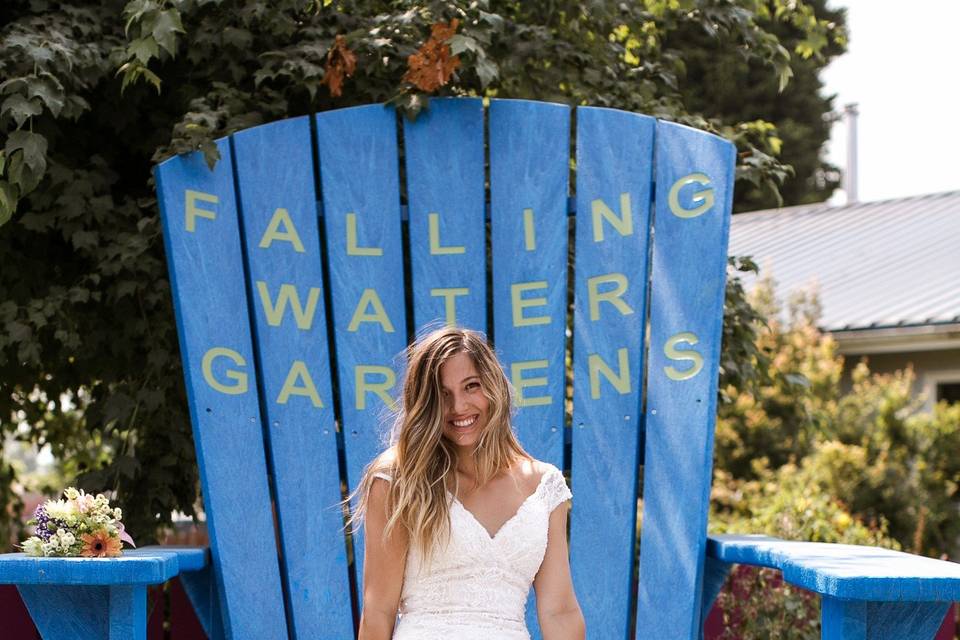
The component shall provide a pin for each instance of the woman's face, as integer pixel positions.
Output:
(465, 407)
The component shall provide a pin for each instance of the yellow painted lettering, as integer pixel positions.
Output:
(704, 196)
(670, 350)
(298, 374)
(620, 380)
(520, 383)
(595, 296)
(519, 303)
(193, 211)
(381, 389)
(353, 249)
(433, 221)
(529, 237)
(289, 234)
(303, 317)
(370, 300)
(449, 296)
(622, 223)
(239, 378)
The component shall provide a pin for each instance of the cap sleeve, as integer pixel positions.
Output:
(555, 488)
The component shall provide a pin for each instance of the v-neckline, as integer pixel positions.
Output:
(492, 537)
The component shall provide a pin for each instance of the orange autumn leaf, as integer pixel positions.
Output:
(341, 63)
(432, 65)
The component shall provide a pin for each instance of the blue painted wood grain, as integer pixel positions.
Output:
(361, 199)
(529, 169)
(847, 572)
(275, 178)
(445, 191)
(861, 620)
(614, 165)
(204, 256)
(90, 612)
(694, 192)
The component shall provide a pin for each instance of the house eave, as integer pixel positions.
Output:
(900, 339)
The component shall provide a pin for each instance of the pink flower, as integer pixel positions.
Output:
(124, 535)
(85, 502)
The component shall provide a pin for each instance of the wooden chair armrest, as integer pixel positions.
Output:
(866, 592)
(98, 597)
(844, 571)
(147, 565)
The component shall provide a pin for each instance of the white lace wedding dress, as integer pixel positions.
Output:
(477, 586)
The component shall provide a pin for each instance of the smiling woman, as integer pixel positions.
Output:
(459, 519)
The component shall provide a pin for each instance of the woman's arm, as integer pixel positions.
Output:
(383, 565)
(557, 608)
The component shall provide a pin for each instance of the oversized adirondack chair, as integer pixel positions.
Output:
(292, 262)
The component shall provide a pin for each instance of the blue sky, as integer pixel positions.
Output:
(903, 69)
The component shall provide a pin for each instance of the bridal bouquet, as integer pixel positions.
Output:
(80, 524)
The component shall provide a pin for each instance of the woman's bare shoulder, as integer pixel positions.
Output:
(383, 465)
(532, 470)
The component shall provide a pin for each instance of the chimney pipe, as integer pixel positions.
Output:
(850, 112)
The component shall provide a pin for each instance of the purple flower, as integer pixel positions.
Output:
(43, 531)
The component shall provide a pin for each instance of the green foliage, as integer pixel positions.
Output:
(94, 93)
(787, 125)
(799, 456)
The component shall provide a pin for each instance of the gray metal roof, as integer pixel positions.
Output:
(891, 263)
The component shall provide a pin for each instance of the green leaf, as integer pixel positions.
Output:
(32, 145)
(8, 201)
(460, 43)
(165, 28)
(20, 108)
(136, 9)
(13, 85)
(48, 89)
(143, 49)
(210, 153)
(488, 71)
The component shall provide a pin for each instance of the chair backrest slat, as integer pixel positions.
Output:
(360, 185)
(445, 191)
(529, 146)
(202, 239)
(614, 171)
(275, 183)
(694, 195)
(529, 171)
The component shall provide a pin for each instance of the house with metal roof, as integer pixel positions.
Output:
(887, 275)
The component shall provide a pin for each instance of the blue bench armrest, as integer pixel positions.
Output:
(99, 597)
(844, 571)
(866, 592)
(148, 565)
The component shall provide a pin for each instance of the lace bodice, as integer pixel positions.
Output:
(476, 586)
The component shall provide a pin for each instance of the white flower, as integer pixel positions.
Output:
(32, 546)
(71, 493)
(59, 509)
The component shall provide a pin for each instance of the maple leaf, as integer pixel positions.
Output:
(341, 63)
(433, 64)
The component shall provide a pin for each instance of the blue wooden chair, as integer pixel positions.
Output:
(291, 313)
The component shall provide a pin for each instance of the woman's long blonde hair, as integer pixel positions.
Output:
(421, 461)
